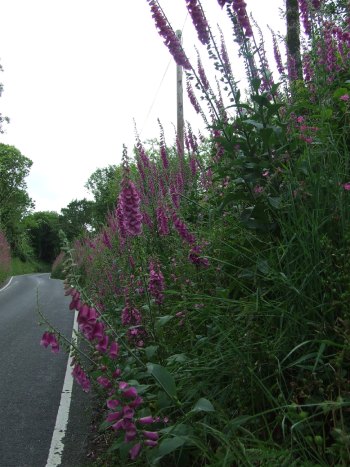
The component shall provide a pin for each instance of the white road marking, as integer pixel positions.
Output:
(5, 286)
(57, 446)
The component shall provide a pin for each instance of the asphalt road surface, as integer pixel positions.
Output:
(31, 377)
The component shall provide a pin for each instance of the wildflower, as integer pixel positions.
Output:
(131, 316)
(113, 404)
(182, 229)
(344, 97)
(104, 382)
(114, 350)
(81, 378)
(171, 40)
(258, 189)
(49, 338)
(146, 420)
(192, 97)
(153, 435)
(239, 7)
(199, 21)
(129, 208)
(103, 344)
(156, 284)
(346, 186)
(162, 221)
(135, 451)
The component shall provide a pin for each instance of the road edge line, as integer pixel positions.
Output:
(56, 448)
(5, 286)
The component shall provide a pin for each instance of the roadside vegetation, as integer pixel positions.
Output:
(212, 280)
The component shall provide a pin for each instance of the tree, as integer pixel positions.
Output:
(77, 218)
(43, 231)
(104, 184)
(15, 202)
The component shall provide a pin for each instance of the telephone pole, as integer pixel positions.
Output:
(180, 103)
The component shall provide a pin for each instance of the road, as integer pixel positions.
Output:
(31, 377)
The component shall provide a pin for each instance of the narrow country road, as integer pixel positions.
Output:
(31, 377)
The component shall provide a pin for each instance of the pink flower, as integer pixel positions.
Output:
(49, 338)
(346, 186)
(114, 350)
(146, 420)
(103, 344)
(112, 403)
(129, 206)
(104, 382)
(345, 97)
(135, 451)
(81, 378)
(153, 435)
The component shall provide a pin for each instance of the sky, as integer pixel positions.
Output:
(78, 73)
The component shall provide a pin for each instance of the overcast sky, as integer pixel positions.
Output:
(76, 74)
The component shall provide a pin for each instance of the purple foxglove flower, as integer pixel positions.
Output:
(146, 420)
(114, 417)
(114, 350)
(156, 284)
(150, 443)
(81, 378)
(171, 40)
(103, 344)
(199, 21)
(162, 221)
(123, 385)
(119, 425)
(128, 413)
(131, 316)
(46, 339)
(129, 205)
(153, 435)
(112, 403)
(104, 382)
(182, 229)
(136, 402)
(130, 392)
(135, 451)
(106, 240)
(192, 97)
(130, 435)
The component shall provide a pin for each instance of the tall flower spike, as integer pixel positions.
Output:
(162, 147)
(171, 40)
(129, 208)
(199, 20)
(239, 7)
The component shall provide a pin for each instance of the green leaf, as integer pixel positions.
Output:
(275, 202)
(169, 445)
(163, 378)
(203, 405)
(163, 320)
(255, 82)
(151, 350)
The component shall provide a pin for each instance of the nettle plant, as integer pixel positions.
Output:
(192, 298)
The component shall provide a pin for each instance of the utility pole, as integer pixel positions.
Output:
(180, 103)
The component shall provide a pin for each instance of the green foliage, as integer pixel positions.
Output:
(231, 303)
(104, 184)
(43, 233)
(14, 200)
(77, 218)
